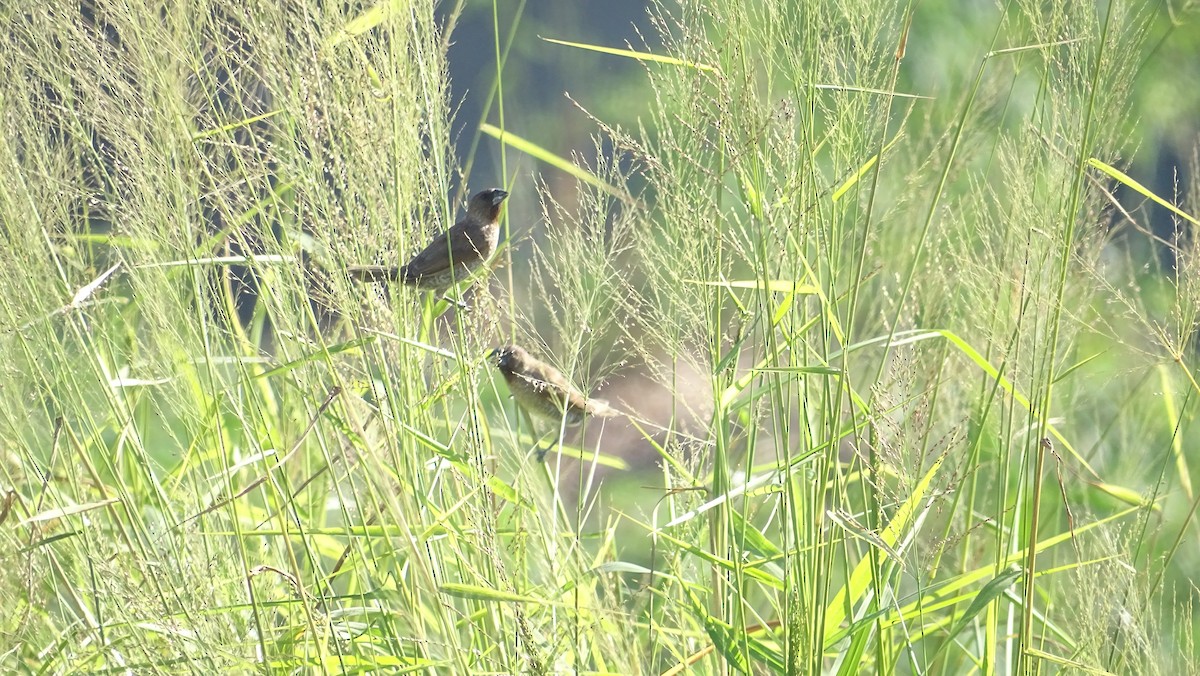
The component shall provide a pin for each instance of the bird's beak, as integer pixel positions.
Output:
(498, 196)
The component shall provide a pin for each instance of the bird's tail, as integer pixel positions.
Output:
(375, 273)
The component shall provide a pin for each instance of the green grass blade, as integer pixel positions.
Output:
(630, 54)
(539, 153)
(1138, 187)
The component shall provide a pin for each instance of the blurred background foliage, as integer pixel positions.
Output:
(946, 42)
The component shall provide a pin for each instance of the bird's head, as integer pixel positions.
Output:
(486, 204)
(508, 358)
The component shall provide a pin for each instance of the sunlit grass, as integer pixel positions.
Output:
(908, 404)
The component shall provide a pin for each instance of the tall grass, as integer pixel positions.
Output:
(910, 401)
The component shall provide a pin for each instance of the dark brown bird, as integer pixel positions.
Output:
(542, 390)
(453, 255)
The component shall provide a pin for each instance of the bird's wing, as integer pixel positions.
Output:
(565, 393)
(434, 258)
(457, 245)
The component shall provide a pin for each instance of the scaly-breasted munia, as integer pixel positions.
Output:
(453, 255)
(542, 390)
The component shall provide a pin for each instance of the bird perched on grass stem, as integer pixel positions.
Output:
(541, 390)
(452, 255)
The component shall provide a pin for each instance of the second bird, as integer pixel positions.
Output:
(542, 390)
(452, 255)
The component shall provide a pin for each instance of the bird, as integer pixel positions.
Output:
(543, 391)
(452, 255)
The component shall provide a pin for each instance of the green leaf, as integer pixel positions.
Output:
(751, 537)
(860, 579)
(626, 567)
(46, 541)
(862, 171)
(1066, 662)
(113, 240)
(630, 54)
(1171, 408)
(1120, 176)
(221, 260)
(622, 567)
(774, 285)
(1003, 382)
(950, 592)
(852, 659)
(994, 589)
(475, 593)
(722, 635)
(246, 122)
(507, 492)
(1126, 495)
(316, 355)
(749, 569)
(1071, 369)
(537, 152)
(366, 21)
(816, 370)
(59, 512)
(860, 532)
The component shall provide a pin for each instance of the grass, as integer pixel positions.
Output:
(913, 396)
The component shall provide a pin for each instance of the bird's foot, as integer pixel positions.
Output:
(541, 453)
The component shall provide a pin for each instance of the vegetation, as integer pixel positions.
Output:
(930, 381)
